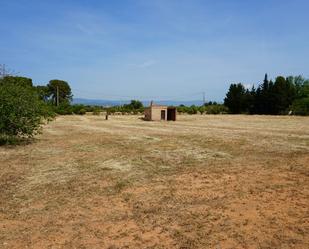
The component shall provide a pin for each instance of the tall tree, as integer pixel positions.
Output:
(250, 100)
(265, 82)
(235, 99)
(61, 88)
(264, 94)
(284, 94)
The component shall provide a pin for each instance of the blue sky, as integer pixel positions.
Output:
(154, 49)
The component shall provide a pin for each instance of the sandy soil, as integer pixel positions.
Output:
(201, 182)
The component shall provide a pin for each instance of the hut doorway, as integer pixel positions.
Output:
(163, 115)
(171, 113)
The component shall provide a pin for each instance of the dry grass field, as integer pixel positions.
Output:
(201, 182)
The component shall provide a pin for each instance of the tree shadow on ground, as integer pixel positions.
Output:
(6, 141)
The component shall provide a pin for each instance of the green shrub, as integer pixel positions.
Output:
(182, 109)
(96, 111)
(82, 111)
(216, 109)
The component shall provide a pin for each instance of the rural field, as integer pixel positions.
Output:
(201, 182)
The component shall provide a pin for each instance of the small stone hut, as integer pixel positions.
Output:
(160, 112)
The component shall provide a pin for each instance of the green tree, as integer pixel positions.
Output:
(305, 89)
(136, 104)
(236, 98)
(300, 106)
(43, 92)
(64, 91)
(133, 106)
(264, 98)
(284, 94)
(21, 111)
(301, 86)
(193, 109)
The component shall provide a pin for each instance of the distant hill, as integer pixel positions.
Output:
(103, 102)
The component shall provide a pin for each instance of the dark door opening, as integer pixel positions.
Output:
(171, 114)
(163, 115)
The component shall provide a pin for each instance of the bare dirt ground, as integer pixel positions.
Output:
(201, 182)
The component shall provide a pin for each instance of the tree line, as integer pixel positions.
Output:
(283, 96)
(210, 107)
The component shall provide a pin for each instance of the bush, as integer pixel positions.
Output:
(79, 109)
(64, 109)
(21, 111)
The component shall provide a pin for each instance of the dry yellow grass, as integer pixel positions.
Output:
(201, 182)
